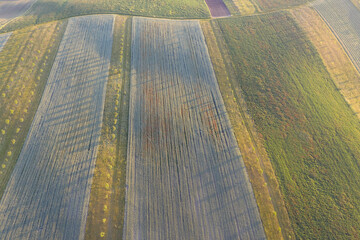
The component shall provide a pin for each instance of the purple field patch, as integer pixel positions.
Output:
(218, 8)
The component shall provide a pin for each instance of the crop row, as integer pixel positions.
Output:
(337, 62)
(343, 18)
(185, 174)
(26, 61)
(107, 198)
(48, 193)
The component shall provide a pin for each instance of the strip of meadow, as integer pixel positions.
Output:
(266, 5)
(48, 193)
(26, 60)
(107, 201)
(310, 133)
(272, 209)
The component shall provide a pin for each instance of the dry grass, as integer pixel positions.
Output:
(241, 7)
(266, 188)
(107, 200)
(337, 62)
(269, 5)
(246, 7)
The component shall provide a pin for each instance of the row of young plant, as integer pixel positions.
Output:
(26, 61)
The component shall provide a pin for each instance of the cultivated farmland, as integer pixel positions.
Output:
(217, 8)
(343, 18)
(337, 62)
(243, 7)
(301, 117)
(270, 201)
(25, 64)
(185, 175)
(107, 200)
(3, 39)
(48, 192)
(12, 9)
(268, 5)
(48, 10)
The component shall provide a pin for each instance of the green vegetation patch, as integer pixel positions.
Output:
(310, 133)
(267, 5)
(25, 64)
(48, 10)
(107, 200)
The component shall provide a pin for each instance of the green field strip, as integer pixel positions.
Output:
(48, 193)
(310, 133)
(107, 200)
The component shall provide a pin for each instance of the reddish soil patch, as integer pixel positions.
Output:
(218, 8)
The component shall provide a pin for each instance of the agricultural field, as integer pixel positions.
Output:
(48, 192)
(343, 19)
(11, 9)
(272, 209)
(270, 5)
(48, 10)
(107, 200)
(300, 115)
(185, 172)
(336, 60)
(3, 39)
(218, 8)
(25, 63)
(242, 7)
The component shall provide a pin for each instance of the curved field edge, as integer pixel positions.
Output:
(107, 198)
(336, 60)
(10, 10)
(310, 133)
(26, 61)
(49, 10)
(242, 7)
(272, 209)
